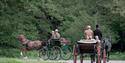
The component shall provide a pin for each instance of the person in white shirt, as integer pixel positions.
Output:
(88, 33)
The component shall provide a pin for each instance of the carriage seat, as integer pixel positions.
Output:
(87, 41)
(86, 46)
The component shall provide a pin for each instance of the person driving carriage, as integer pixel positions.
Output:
(98, 33)
(55, 34)
(55, 37)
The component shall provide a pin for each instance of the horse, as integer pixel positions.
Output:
(107, 45)
(29, 45)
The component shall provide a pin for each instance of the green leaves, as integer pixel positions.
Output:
(37, 18)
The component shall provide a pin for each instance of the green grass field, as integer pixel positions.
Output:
(17, 60)
(32, 59)
(117, 56)
(13, 56)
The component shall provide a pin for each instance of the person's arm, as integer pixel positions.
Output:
(85, 34)
(58, 36)
(92, 34)
(101, 34)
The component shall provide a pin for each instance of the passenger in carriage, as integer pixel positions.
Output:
(88, 33)
(52, 35)
(55, 37)
(55, 34)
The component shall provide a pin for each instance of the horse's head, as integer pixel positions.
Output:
(21, 38)
(106, 39)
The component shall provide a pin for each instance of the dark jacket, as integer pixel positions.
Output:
(98, 33)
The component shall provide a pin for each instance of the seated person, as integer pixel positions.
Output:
(88, 33)
(55, 37)
(55, 34)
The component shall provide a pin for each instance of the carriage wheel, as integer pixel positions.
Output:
(43, 53)
(98, 54)
(55, 53)
(75, 54)
(52, 55)
(66, 53)
(104, 56)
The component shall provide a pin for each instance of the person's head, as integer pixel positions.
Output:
(88, 27)
(97, 26)
(56, 30)
(52, 32)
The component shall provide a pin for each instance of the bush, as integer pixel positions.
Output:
(9, 52)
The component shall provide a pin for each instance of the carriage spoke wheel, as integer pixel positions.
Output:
(66, 53)
(55, 53)
(43, 53)
(52, 55)
(104, 56)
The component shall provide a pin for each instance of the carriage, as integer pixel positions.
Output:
(91, 47)
(55, 50)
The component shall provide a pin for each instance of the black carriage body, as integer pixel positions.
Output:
(55, 42)
(86, 48)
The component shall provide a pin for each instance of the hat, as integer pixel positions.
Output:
(88, 27)
(57, 30)
(52, 31)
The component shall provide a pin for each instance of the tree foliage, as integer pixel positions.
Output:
(37, 18)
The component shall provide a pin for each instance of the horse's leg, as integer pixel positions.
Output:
(24, 52)
(108, 56)
(108, 53)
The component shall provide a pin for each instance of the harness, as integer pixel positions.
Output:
(26, 44)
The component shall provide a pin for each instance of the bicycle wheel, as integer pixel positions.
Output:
(43, 53)
(66, 53)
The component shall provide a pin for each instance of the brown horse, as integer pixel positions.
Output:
(29, 45)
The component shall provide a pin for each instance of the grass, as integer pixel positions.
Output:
(9, 60)
(117, 56)
(34, 59)
(16, 60)
(13, 55)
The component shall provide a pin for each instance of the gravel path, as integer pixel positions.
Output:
(88, 61)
